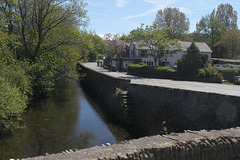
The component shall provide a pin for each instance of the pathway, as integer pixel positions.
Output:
(232, 90)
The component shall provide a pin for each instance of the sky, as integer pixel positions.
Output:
(122, 16)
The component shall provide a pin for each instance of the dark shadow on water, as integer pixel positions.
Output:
(134, 132)
(69, 119)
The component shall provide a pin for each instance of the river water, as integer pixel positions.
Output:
(67, 120)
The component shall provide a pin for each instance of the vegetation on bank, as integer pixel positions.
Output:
(40, 41)
(229, 73)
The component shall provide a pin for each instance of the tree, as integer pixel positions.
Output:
(156, 40)
(91, 46)
(14, 83)
(227, 15)
(210, 28)
(8, 15)
(191, 62)
(173, 19)
(99, 47)
(232, 40)
(115, 44)
(39, 42)
(220, 50)
(40, 18)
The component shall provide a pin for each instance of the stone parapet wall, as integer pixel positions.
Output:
(104, 86)
(191, 145)
(183, 109)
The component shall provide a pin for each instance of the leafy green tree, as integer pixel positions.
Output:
(191, 62)
(12, 105)
(231, 39)
(227, 15)
(91, 46)
(174, 20)
(220, 50)
(8, 15)
(158, 42)
(39, 19)
(39, 42)
(14, 83)
(210, 28)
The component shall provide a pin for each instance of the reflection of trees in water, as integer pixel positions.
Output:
(53, 126)
(120, 133)
(49, 126)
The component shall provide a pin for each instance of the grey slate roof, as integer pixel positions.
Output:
(203, 47)
(227, 60)
(138, 46)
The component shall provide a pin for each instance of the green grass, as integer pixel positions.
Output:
(227, 83)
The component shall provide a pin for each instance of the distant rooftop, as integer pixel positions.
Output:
(203, 47)
(227, 60)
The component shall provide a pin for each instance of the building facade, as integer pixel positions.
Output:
(143, 52)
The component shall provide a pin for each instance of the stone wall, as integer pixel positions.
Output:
(183, 109)
(191, 145)
(103, 86)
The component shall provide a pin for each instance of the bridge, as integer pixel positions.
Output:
(206, 113)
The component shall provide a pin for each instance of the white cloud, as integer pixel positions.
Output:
(96, 3)
(101, 35)
(185, 10)
(158, 4)
(121, 3)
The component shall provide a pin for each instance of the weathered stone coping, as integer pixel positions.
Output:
(191, 145)
(230, 90)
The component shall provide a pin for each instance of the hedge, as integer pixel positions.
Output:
(229, 73)
(206, 74)
(150, 71)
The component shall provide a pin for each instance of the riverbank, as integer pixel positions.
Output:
(69, 119)
(189, 105)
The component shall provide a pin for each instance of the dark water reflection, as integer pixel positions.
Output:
(67, 120)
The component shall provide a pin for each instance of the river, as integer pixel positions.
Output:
(69, 119)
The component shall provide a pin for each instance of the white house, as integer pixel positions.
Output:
(137, 50)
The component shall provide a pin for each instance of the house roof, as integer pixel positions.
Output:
(138, 46)
(226, 60)
(203, 47)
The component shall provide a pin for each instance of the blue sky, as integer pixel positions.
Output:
(122, 16)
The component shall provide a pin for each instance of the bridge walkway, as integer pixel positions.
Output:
(231, 90)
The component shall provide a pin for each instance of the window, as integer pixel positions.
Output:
(144, 54)
(126, 63)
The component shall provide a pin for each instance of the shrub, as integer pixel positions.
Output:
(15, 88)
(165, 72)
(150, 71)
(43, 78)
(12, 105)
(209, 74)
(190, 63)
(228, 73)
(137, 69)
